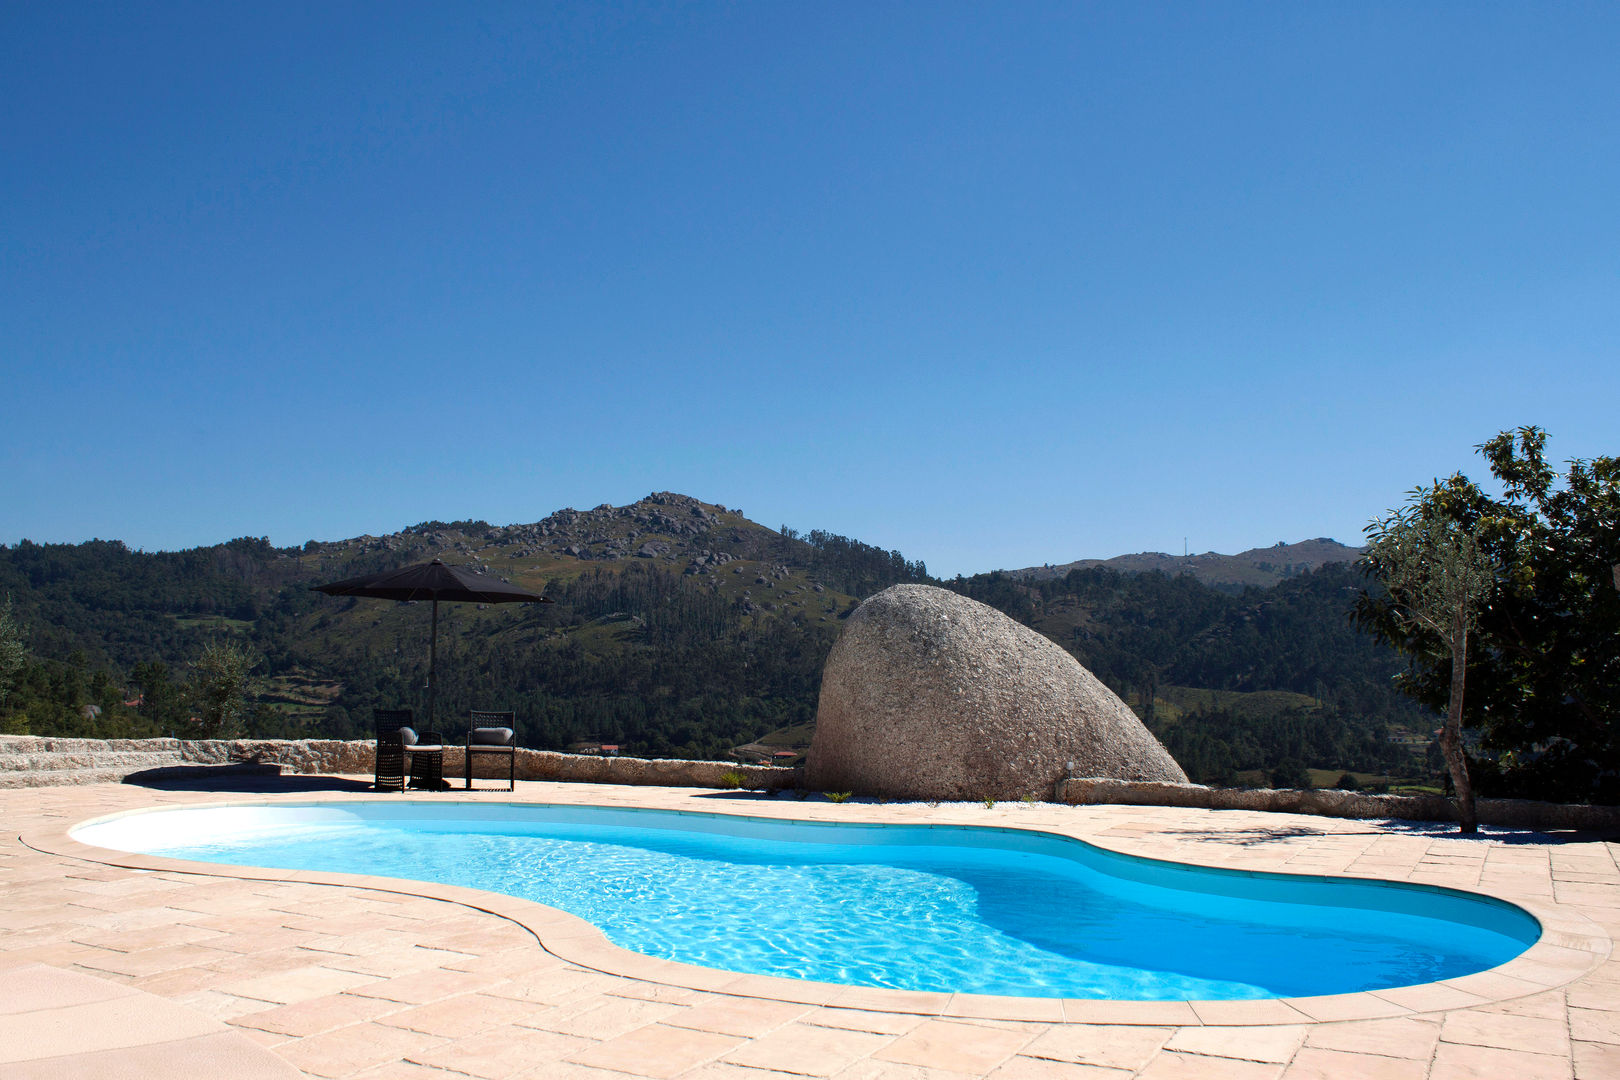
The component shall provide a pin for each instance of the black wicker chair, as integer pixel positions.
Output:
(394, 733)
(404, 754)
(493, 734)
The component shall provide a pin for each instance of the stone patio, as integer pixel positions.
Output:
(124, 965)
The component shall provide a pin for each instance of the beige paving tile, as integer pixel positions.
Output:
(1170, 1065)
(865, 997)
(879, 1023)
(219, 1005)
(1456, 1061)
(1595, 1025)
(523, 959)
(1247, 1012)
(1594, 992)
(1269, 1044)
(1431, 997)
(391, 963)
(656, 1051)
(1025, 1068)
(602, 1018)
(126, 939)
(408, 1070)
(744, 1017)
(156, 961)
(1596, 1061)
(425, 986)
(807, 1050)
(945, 1044)
(298, 984)
(554, 986)
(1402, 1037)
(459, 1017)
(1506, 1031)
(1035, 1010)
(1312, 1063)
(1152, 1013)
(1111, 1045)
(500, 1053)
(673, 995)
(351, 1049)
(567, 1070)
(317, 1015)
(722, 1070)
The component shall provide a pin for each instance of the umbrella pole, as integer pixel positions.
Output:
(433, 663)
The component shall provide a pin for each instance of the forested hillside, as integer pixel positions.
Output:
(1291, 683)
(679, 628)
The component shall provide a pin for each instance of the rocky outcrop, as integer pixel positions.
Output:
(930, 695)
(32, 761)
(27, 761)
(1331, 802)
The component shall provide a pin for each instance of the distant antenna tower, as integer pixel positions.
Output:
(1183, 547)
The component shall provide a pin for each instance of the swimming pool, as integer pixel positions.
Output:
(944, 908)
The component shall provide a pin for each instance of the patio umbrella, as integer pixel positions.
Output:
(432, 581)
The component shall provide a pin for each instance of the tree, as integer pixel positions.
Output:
(1438, 579)
(1543, 669)
(218, 688)
(12, 650)
(162, 699)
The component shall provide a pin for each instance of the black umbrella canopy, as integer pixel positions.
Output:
(433, 581)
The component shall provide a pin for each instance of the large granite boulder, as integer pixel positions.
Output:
(930, 695)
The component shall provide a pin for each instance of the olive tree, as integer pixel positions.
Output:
(218, 688)
(1543, 668)
(1438, 579)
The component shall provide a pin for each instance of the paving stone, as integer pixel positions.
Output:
(1312, 1063)
(1458, 1061)
(1268, 1044)
(1402, 1037)
(807, 1050)
(501, 1052)
(656, 1051)
(1113, 1046)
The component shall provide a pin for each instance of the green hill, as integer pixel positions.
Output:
(679, 628)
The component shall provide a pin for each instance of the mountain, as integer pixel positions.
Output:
(679, 628)
(1260, 567)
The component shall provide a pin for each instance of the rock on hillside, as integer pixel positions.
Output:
(930, 695)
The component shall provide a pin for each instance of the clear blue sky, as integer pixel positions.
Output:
(993, 284)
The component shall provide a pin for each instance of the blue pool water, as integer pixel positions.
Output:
(916, 907)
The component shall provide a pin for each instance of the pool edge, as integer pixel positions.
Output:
(1570, 945)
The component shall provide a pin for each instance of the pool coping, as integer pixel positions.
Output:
(1571, 944)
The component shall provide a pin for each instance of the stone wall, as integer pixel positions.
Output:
(1510, 813)
(357, 758)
